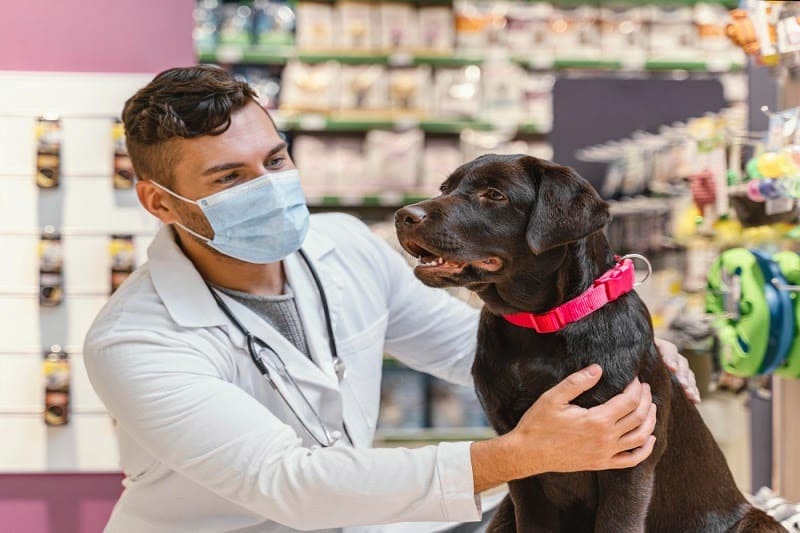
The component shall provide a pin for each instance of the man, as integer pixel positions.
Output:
(237, 409)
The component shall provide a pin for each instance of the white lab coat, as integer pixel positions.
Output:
(205, 442)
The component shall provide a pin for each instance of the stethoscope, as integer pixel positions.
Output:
(256, 344)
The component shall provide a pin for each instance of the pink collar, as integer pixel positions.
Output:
(607, 288)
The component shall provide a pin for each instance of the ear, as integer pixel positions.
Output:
(567, 208)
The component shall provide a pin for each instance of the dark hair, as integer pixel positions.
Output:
(184, 103)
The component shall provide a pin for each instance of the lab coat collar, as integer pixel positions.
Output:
(184, 291)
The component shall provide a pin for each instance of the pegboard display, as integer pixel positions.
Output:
(84, 210)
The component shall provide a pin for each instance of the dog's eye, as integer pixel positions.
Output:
(494, 195)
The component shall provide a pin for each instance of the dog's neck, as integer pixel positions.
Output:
(543, 282)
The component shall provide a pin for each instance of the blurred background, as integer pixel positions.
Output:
(681, 113)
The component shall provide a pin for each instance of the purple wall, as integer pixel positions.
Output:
(145, 36)
(57, 503)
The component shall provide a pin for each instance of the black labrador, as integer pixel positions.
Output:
(526, 235)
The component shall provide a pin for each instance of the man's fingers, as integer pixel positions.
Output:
(574, 385)
(669, 353)
(623, 403)
(638, 437)
(633, 457)
(636, 418)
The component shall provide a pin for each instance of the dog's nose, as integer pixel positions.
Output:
(409, 215)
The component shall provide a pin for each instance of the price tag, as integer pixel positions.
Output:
(391, 198)
(541, 61)
(312, 122)
(632, 62)
(401, 59)
(718, 64)
(229, 54)
(406, 123)
(780, 205)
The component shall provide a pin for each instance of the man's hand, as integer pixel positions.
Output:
(679, 366)
(556, 436)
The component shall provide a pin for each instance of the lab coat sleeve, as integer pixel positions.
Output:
(177, 404)
(428, 329)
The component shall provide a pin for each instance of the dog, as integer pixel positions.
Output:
(526, 235)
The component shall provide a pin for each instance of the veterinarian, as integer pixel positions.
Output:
(242, 362)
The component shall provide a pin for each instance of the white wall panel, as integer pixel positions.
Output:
(86, 210)
(18, 202)
(87, 443)
(19, 268)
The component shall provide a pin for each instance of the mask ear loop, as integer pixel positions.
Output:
(646, 262)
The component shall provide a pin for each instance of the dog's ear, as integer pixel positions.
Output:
(567, 208)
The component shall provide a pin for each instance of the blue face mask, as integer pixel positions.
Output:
(260, 221)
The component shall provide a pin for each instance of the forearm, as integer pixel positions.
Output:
(495, 462)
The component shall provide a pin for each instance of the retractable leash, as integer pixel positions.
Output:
(755, 312)
(254, 342)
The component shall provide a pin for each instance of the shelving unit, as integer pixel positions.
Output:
(279, 56)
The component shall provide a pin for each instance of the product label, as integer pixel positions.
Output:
(48, 152)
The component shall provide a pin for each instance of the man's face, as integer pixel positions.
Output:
(249, 148)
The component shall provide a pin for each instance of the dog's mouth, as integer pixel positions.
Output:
(433, 262)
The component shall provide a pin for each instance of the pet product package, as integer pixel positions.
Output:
(310, 87)
(501, 94)
(478, 24)
(124, 176)
(348, 176)
(441, 157)
(356, 26)
(457, 92)
(672, 34)
(710, 21)
(236, 22)
(622, 33)
(402, 398)
(57, 390)
(123, 259)
(312, 155)
(398, 27)
(48, 152)
(527, 26)
(435, 29)
(410, 89)
(537, 100)
(314, 26)
(394, 159)
(574, 32)
(274, 23)
(476, 143)
(364, 87)
(454, 406)
(51, 276)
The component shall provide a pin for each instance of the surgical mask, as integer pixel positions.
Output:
(260, 221)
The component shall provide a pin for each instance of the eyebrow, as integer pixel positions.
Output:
(228, 166)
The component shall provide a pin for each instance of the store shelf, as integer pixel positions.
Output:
(280, 55)
(320, 123)
(370, 200)
(429, 435)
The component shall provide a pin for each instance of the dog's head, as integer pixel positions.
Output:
(497, 214)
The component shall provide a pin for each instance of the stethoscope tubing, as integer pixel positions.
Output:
(252, 347)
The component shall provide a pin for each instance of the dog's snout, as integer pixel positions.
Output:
(410, 215)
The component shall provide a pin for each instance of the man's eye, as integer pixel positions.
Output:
(494, 195)
(278, 161)
(229, 178)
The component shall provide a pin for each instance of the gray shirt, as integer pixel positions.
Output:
(279, 311)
